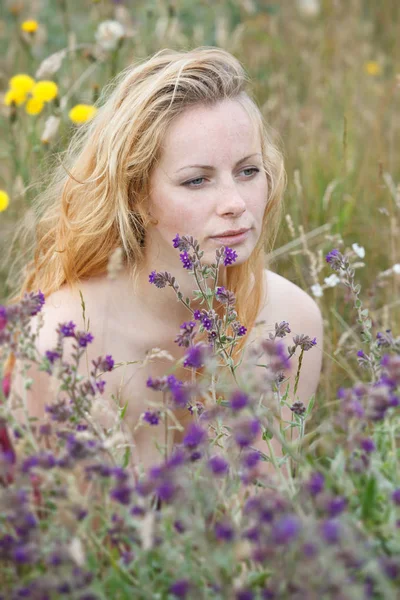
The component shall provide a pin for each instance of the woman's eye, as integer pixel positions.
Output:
(193, 181)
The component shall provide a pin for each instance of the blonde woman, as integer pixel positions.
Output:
(177, 147)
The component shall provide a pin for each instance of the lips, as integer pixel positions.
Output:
(231, 233)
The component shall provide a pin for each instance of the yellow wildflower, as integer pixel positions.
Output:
(21, 83)
(373, 68)
(45, 90)
(15, 96)
(30, 26)
(81, 113)
(4, 200)
(34, 106)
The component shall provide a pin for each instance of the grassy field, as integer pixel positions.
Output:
(326, 75)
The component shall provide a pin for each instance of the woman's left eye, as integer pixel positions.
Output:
(188, 183)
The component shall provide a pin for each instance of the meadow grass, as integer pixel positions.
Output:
(325, 75)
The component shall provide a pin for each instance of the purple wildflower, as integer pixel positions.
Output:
(166, 490)
(224, 531)
(186, 336)
(84, 338)
(195, 435)
(66, 329)
(245, 594)
(180, 243)
(186, 260)
(315, 484)
(138, 511)
(396, 496)
(335, 259)
(207, 322)
(3, 317)
(230, 256)
(38, 301)
(179, 526)
(286, 529)
(176, 241)
(277, 354)
(122, 494)
(104, 364)
(180, 588)
(241, 331)
(368, 445)
(100, 385)
(196, 355)
(197, 315)
(251, 458)
(158, 279)
(330, 530)
(52, 355)
(218, 465)
(304, 341)
(336, 505)
(238, 400)
(225, 296)
(282, 329)
(246, 431)
(151, 417)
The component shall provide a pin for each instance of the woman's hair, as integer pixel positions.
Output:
(98, 197)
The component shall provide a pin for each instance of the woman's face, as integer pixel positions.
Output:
(209, 180)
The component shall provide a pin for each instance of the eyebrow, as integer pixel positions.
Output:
(210, 168)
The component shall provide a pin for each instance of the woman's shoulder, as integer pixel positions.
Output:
(286, 301)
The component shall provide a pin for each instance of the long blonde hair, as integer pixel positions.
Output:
(97, 199)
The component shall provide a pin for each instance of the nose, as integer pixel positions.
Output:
(230, 200)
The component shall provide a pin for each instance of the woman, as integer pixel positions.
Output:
(179, 147)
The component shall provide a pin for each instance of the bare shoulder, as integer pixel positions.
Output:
(286, 301)
(286, 298)
(65, 305)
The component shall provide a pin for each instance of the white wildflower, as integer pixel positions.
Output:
(396, 268)
(146, 531)
(50, 65)
(316, 290)
(359, 250)
(109, 33)
(309, 8)
(332, 280)
(50, 129)
(76, 551)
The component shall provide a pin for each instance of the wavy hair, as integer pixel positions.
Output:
(98, 197)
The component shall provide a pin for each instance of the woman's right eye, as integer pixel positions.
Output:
(187, 183)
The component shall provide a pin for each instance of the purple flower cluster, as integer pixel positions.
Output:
(28, 307)
(197, 356)
(185, 338)
(230, 256)
(152, 418)
(276, 352)
(225, 296)
(246, 430)
(336, 260)
(180, 392)
(239, 400)
(186, 260)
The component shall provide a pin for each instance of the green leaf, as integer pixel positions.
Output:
(267, 435)
(123, 411)
(310, 405)
(368, 498)
(127, 455)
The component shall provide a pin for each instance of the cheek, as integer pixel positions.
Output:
(183, 218)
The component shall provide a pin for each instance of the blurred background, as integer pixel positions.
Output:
(326, 75)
